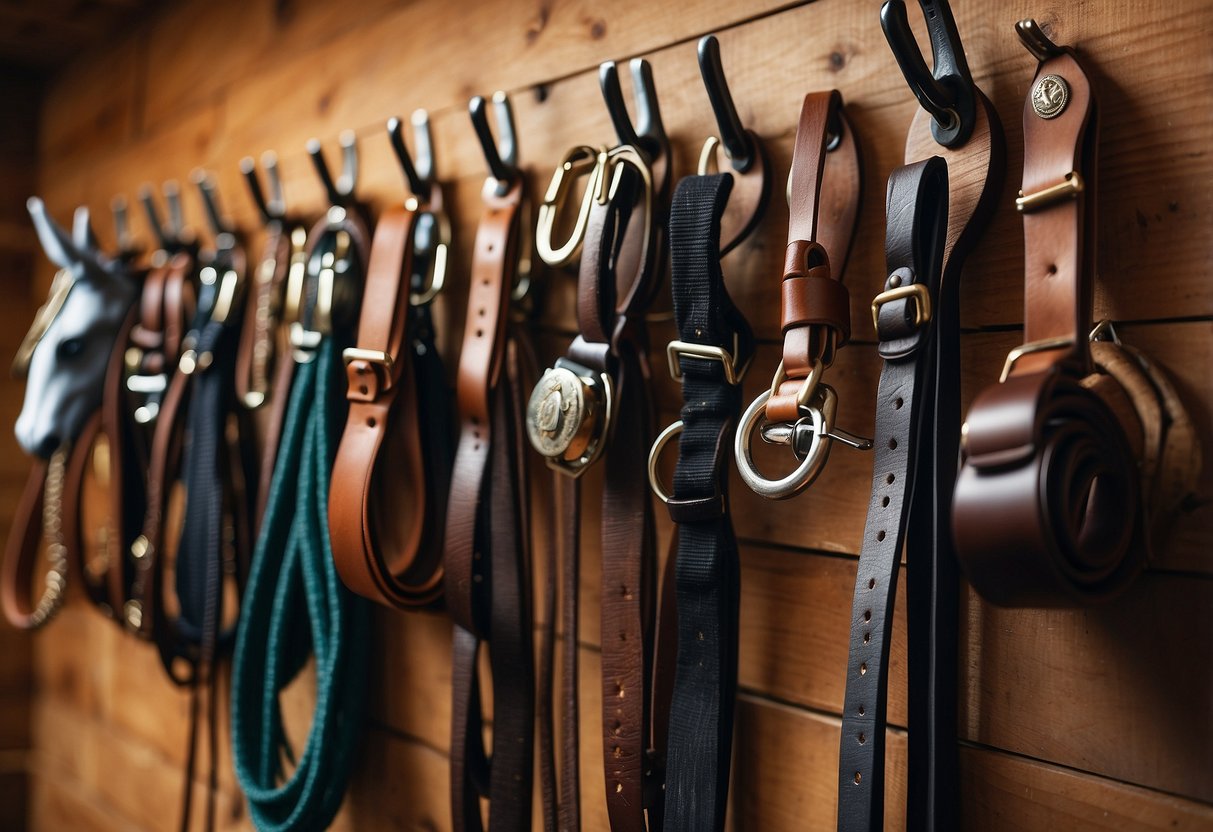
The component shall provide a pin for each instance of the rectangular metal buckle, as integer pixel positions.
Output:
(918, 291)
(1068, 188)
(677, 349)
(378, 357)
(1029, 348)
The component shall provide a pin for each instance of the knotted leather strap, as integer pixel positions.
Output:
(1047, 508)
(292, 575)
(707, 572)
(823, 206)
(907, 326)
(44, 487)
(395, 446)
(487, 557)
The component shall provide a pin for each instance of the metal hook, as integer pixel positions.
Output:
(733, 135)
(648, 132)
(1036, 41)
(210, 201)
(122, 227)
(340, 192)
(272, 209)
(176, 216)
(420, 176)
(947, 94)
(501, 154)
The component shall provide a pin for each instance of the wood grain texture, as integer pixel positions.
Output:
(1092, 719)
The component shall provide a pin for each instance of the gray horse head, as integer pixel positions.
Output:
(67, 350)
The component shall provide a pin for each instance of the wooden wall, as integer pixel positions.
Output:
(1071, 719)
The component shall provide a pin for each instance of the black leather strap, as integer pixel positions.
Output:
(916, 213)
(707, 573)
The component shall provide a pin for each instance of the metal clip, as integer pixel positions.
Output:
(918, 291)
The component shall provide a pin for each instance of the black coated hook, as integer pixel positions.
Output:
(273, 209)
(122, 226)
(170, 237)
(210, 201)
(647, 133)
(1036, 41)
(420, 175)
(340, 192)
(733, 135)
(947, 94)
(501, 154)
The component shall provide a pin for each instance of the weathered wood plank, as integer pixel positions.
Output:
(1005, 792)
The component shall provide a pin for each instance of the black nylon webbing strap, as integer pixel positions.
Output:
(907, 329)
(707, 571)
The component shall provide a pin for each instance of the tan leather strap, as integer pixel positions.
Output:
(1048, 507)
(823, 204)
(388, 551)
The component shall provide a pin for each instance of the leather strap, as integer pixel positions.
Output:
(395, 446)
(707, 572)
(823, 207)
(605, 372)
(293, 584)
(487, 557)
(907, 326)
(1054, 455)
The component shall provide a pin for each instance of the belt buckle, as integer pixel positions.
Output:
(569, 416)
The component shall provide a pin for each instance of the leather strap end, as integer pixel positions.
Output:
(367, 381)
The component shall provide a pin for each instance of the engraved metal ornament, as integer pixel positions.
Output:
(1050, 96)
(555, 412)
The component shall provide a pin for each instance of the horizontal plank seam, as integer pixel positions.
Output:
(964, 743)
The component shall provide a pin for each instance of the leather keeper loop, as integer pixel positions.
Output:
(816, 299)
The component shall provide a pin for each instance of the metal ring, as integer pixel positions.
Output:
(655, 454)
(806, 471)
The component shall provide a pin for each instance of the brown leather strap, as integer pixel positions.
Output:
(1047, 507)
(21, 555)
(390, 553)
(823, 204)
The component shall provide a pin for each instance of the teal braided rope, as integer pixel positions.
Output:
(295, 606)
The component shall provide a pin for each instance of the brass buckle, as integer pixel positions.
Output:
(1068, 188)
(305, 341)
(922, 305)
(732, 374)
(1019, 352)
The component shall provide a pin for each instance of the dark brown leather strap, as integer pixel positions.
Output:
(21, 552)
(909, 316)
(1047, 507)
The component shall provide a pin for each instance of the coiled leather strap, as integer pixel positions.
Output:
(387, 506)
(1047, 507)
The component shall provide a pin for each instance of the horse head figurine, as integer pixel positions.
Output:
(65, 354)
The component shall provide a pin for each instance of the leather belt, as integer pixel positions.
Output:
(956, 122)
(293, 568)
(487, 544)
(824, 188)
(908, 316)
(1053, 446)
(597, 391)
(395, 445)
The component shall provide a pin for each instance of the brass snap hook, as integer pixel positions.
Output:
(579, 162)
